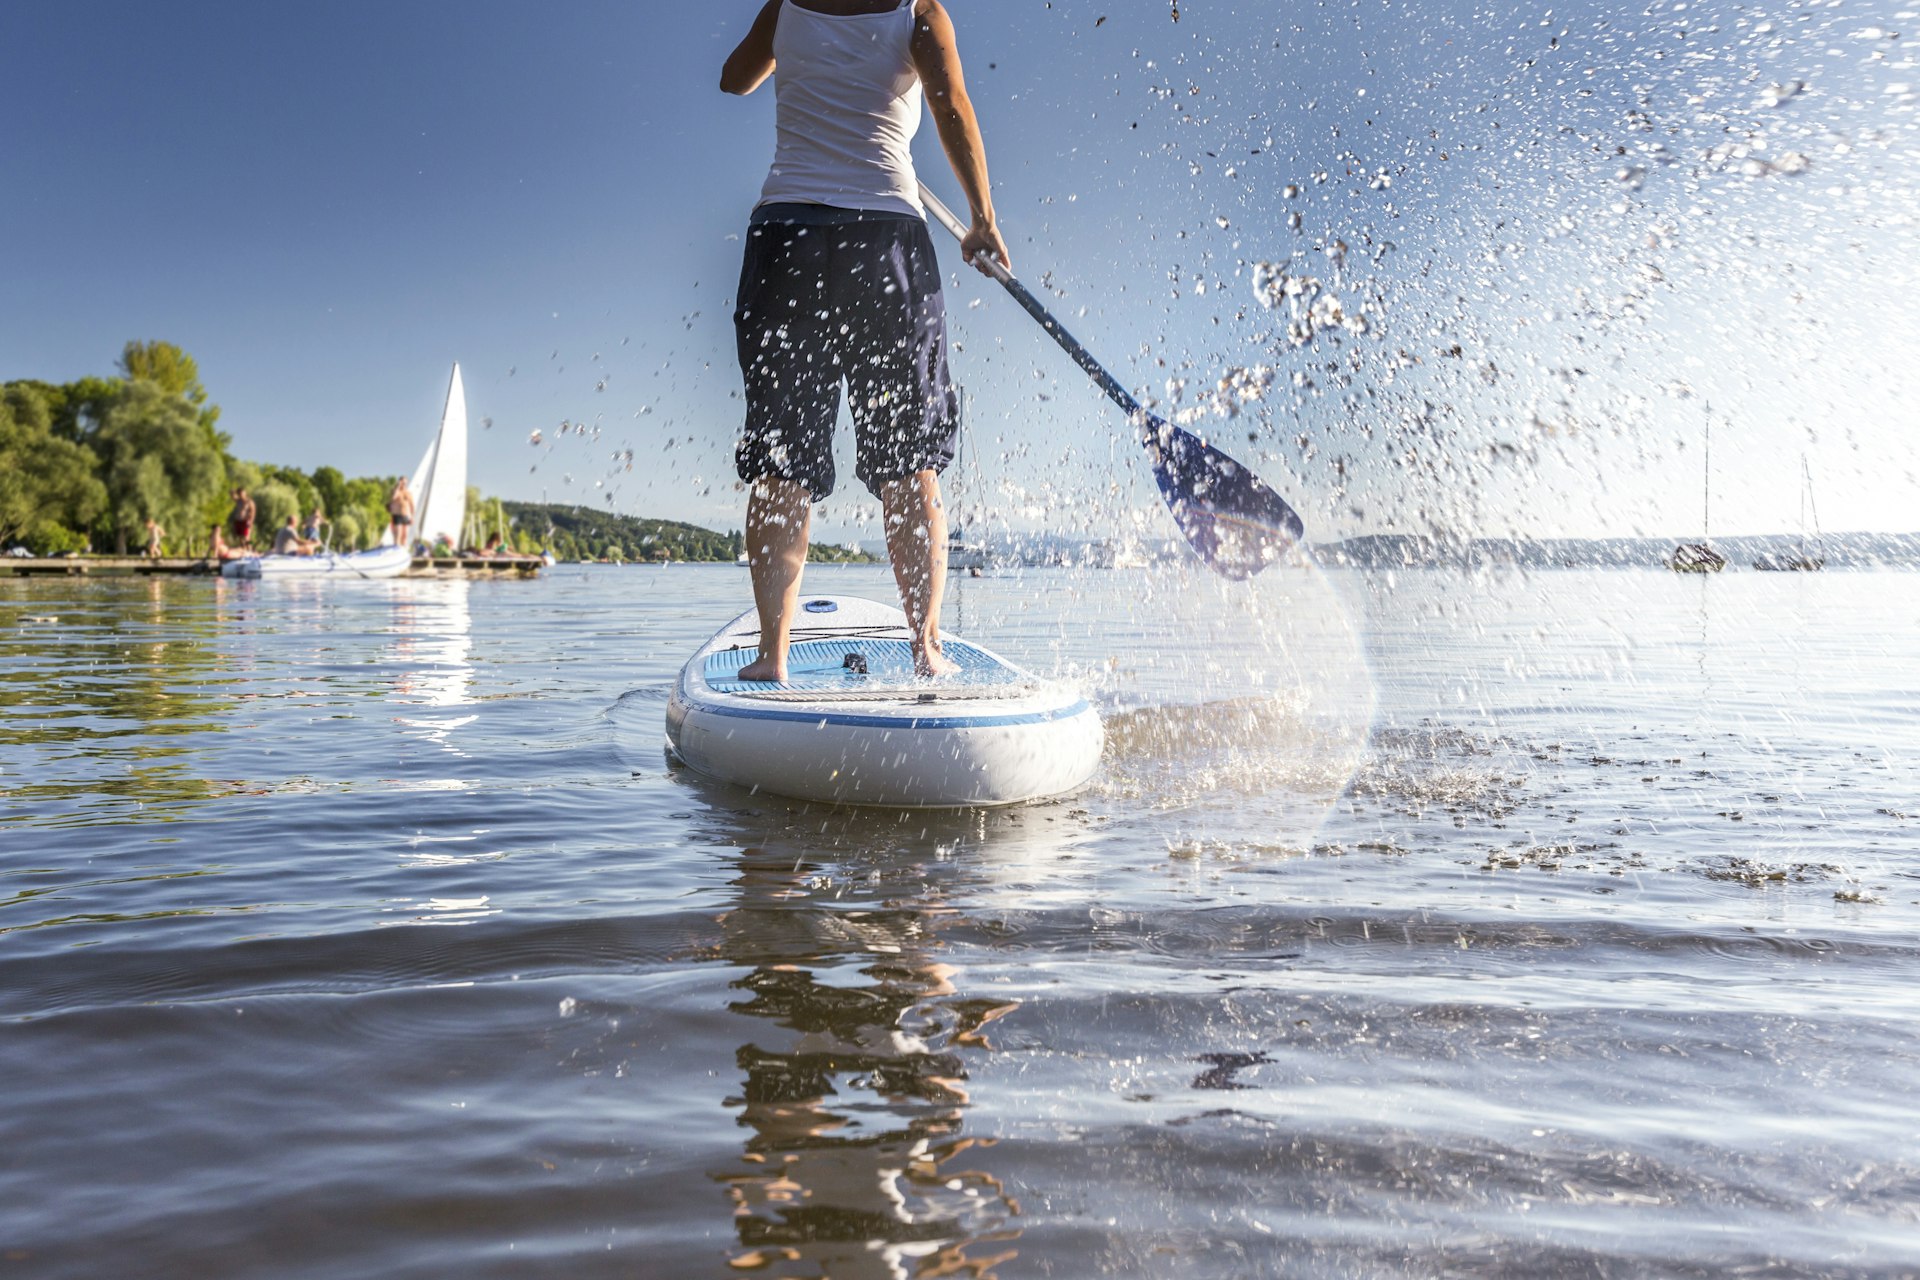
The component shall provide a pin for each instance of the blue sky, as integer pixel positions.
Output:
(327, 205)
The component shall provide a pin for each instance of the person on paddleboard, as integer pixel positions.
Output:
(839, 283)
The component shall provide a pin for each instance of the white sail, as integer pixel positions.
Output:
(440, 481)
(418, 486)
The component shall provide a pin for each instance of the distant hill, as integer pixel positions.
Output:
(1399, 550)
(581, 533)
(1402, 550)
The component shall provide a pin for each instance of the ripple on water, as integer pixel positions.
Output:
(347, 964)
(1271, 997)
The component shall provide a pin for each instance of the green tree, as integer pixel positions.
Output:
(76, 408)
(346, 532)
(244, 475)
(305, 496)
(156, 460)
(367, 498)
(177, 373)
(273, 502)
(165, 366)
(48, 491)
(331, 487)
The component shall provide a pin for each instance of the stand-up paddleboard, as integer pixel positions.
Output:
(381, 562)
(853, 724)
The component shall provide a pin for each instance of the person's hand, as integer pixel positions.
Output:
(981, 242)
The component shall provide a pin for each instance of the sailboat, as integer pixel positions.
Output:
(1808, 560)
(440, 508)
(439, 483)
(1700, 557)
(962, 554)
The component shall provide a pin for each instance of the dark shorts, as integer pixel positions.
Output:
(832, 295)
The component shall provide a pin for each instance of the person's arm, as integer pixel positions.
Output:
(936, 56)
(751, 62)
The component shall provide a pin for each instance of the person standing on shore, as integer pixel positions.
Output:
(154, 536)
(241, 518)
(839, 282)
(400, 508)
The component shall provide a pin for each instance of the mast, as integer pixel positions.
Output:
(957, 527)
(1808, 507)
(1706, 485)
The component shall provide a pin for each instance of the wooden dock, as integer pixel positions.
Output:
(184, 566)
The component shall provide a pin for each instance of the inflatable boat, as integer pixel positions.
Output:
(381, 562)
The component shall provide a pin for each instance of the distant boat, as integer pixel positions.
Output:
(1700, 557)
(1696, 557)
(440, 481)
(1810, 558)
(1113, 553)
(964, 555)
(381, 562)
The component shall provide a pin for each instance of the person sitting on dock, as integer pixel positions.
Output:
(288, 541)
(154, 534)
(241, 517)
(219, 552)
(497, 549)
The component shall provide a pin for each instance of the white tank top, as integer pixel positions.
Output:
(849, 104)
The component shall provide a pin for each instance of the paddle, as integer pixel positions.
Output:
(1234, 522)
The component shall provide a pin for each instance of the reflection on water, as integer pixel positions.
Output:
(100, 702)
(854, 1090)
(157, 695)
(431, 654)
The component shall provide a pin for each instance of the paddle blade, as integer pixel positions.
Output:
(1234, 522)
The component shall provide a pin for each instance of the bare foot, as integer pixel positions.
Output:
(765, 669)
(928, 661)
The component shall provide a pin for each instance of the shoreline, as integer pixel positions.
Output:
(201, 567)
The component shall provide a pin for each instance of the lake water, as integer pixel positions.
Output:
(1429, 924)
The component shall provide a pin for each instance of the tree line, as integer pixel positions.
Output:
(84, 465)
(581, 533)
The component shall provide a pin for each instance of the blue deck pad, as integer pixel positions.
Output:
(819, 666)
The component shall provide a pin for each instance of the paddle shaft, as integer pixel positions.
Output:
(1233, 521)
(1034, 307)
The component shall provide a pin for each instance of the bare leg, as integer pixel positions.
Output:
(917, 543)
(779, 513)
